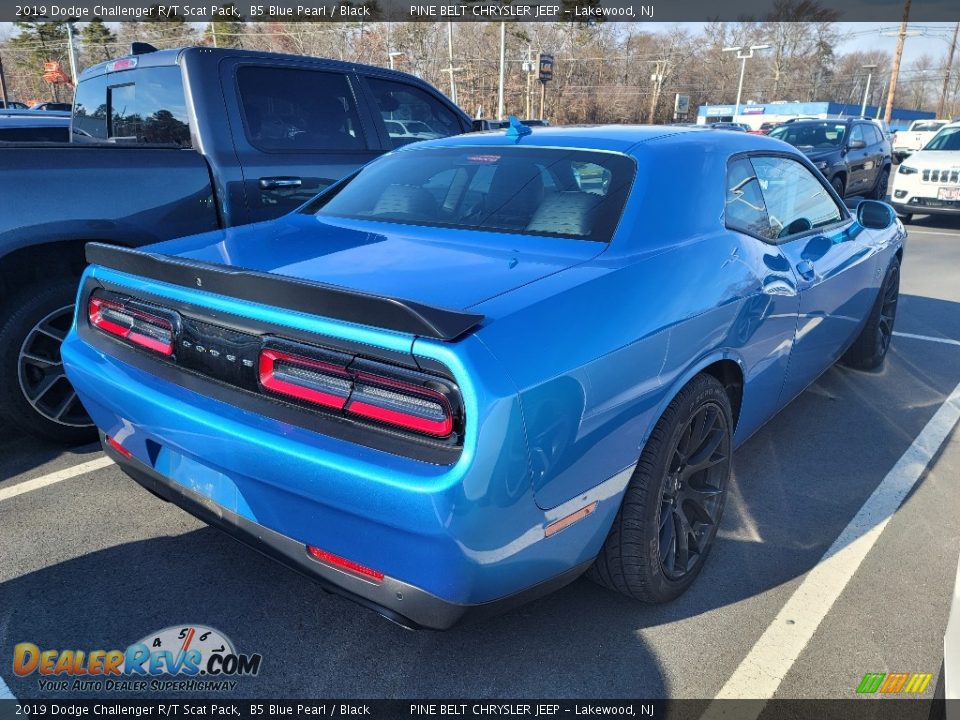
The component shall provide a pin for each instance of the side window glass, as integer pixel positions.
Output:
(591, 178)
(875, 135)
(857, 134)
(412, 114)
(796, 201)
(744, 208)
(148, 106)
(288, 109)
(90, 110)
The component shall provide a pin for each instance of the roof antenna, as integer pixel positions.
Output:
(516, 128)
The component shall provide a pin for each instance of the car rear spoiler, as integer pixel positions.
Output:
(289, 293)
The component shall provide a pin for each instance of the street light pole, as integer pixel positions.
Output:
(866, 90)
(743, 57)
(503, 62)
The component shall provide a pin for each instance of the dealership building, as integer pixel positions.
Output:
(753, 114)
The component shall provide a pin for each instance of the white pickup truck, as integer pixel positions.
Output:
(915, 137)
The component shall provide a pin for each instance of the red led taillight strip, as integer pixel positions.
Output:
(306, 379)
(362, 394)
(132, 324)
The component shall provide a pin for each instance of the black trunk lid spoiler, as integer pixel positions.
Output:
(289, 293)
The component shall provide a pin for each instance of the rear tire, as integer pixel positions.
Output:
(666, 525)
(906, 218)
(838, 185)
(870, 348)
(35, 395)
(880, 189)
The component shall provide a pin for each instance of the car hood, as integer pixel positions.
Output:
(817, 153)
(455, 269)
(949, 159)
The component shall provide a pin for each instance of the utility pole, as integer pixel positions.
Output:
(528, 66)
(453, 86)
(657, 80)
(503, 62)
(73, 52)
(941, 106)
(895, 68)
(3, 84)
(213, 33)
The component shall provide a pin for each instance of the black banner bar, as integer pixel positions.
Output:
(180, 708)
(583, 11)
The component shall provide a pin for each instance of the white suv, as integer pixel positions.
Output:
(928, 182)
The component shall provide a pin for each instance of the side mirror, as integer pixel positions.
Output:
(875, 215)
(856, 145)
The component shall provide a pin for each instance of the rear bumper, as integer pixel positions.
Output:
(399, 602)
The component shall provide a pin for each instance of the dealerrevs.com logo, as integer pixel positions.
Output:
(186, 657)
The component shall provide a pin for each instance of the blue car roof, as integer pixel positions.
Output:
(615, 138)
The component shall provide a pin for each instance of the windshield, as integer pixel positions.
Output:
(530, 191)
(946, 139)
(813, 136)
(926, 126)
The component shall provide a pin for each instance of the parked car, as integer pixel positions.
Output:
(24, 127)
(47, 106)
(739, 127)
(765, 128)
(257, 135)
(928, 182)
(410, 131)
(920, 132)
(852, 154)
(470, 372)
(12, 105)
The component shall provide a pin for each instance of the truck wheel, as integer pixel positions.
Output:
(838, 185)
(672, 507)
(905, 218)
(35, 395)
(870, 347)
(880, 189)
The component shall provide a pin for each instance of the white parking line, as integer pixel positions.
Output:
(763, 669)
(928, 338)
(5, 693)
(911, 231)
(54, 477)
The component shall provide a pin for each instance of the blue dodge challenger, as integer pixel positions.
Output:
(482, 366)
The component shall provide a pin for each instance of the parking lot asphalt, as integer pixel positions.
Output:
(93, 561)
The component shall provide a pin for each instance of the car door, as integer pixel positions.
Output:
(831, 259)
(859, 163)
(297, 128)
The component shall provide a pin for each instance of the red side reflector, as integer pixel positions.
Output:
(119, 448)
(344, 564)
(306, 379)
(132, 324)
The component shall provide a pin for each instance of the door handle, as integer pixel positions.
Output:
(805, 270)
(272, 183)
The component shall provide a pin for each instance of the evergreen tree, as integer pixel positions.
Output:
(97, 40)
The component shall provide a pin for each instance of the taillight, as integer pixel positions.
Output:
(303, 378)
(364, 389)
(396, 403)
(133, 324)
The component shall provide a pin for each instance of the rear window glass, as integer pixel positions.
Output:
(530, 191)
(145, 106)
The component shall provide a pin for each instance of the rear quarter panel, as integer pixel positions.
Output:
(597, 352)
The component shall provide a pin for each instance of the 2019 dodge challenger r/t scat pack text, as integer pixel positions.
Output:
(481, 366)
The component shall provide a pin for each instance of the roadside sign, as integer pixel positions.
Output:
(546, 67)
